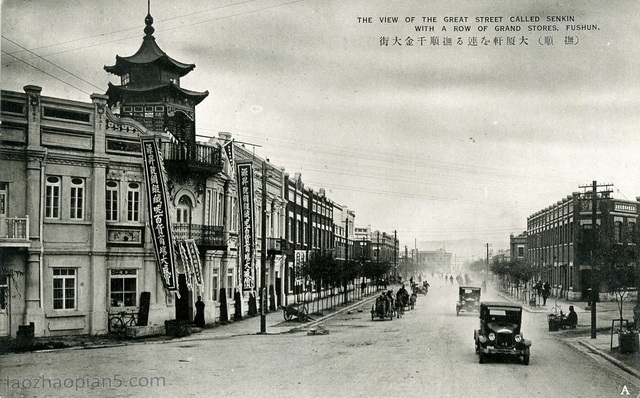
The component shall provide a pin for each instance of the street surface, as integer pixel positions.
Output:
(427, 353)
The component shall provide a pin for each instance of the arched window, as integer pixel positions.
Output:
(183, 210)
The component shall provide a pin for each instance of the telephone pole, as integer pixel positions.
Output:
(595, 241)
(487, 270)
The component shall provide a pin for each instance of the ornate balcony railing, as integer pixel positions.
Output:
(204, 235)
(14, 232)
(15, 229)
(185, 159)
(276, 245)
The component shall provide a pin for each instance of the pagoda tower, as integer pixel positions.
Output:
(150, 92)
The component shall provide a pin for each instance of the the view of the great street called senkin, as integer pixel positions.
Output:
(302, 198)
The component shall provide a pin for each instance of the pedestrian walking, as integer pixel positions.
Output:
(199, 318)
(546, 292)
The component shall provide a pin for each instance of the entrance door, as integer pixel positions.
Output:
(278, 289)
(184, 311)
(4, 305)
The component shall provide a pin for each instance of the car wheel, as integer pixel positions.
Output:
(481, 357)
(457, 311)
(525, 359)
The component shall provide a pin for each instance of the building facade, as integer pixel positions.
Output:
(561, 237)
(518, 247)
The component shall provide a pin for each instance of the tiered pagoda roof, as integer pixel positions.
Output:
(150, 58)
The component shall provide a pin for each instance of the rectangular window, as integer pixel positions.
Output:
(215, 285)
(124, 287)
(52, 197)
(220, 209)
(3, 198)
(208, 207)
(617, 231)
(4, 292)
(234, 216)
(304, 233)
(230, 286)
(76, 204)
(112, 201)
(64, 288)
(133, 201)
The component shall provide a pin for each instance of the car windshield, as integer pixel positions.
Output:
(510, 315)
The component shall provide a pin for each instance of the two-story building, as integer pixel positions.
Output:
(75, 237)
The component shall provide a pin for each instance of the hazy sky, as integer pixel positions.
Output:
(438, 142)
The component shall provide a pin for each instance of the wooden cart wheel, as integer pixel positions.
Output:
(303, 315)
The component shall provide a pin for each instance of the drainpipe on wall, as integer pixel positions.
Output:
(41, 223)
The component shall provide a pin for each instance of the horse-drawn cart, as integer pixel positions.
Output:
(382, 309)
(299, 310)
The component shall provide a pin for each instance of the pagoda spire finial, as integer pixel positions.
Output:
(148, 30)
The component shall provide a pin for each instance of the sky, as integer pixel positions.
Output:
(439, 140)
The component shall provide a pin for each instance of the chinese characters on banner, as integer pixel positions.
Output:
(244, 186)
(158, 205)
(300, 260)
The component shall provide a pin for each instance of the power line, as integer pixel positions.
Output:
(46, 73)
(102, 43)
(416, 196)
(46, 60)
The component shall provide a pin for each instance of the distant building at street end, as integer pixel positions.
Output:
(435, 260)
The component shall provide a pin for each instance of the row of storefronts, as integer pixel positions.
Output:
(101, 201)
(561, 239)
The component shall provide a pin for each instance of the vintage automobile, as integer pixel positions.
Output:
(468, 299)
(500, 332)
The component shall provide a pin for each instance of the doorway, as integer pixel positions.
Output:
(184, 304)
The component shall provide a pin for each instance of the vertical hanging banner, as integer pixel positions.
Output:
(186, 264)
(193, 252)
(158, 205)
(228, 149)
(244, 186)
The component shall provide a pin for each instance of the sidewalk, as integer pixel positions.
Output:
(275, 324)
(601, 345)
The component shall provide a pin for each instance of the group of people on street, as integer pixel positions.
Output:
(543, 290)
(402, 298)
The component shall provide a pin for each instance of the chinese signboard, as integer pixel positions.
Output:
(299, 261)
(244, 186)
(158, 205)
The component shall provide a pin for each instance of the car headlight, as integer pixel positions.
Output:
(492, 336)
(518, 338)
